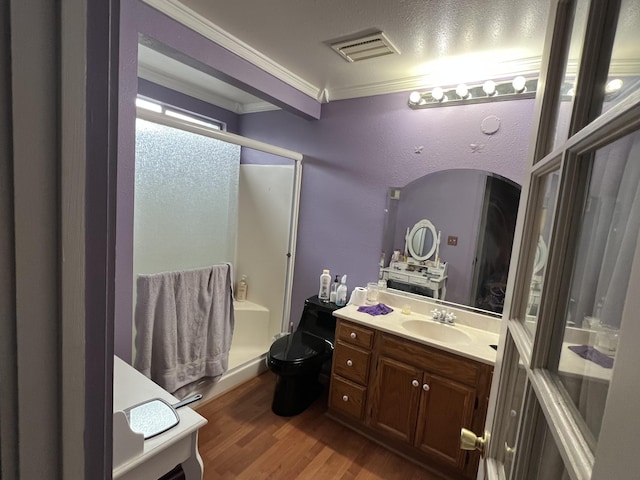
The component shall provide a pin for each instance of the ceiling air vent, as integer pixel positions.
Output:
(363, 48)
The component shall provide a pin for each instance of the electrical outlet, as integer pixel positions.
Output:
(453, 241)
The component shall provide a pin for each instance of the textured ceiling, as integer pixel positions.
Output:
(440, 41)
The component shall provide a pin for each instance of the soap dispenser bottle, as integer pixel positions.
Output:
(334, 290)
(341, 293)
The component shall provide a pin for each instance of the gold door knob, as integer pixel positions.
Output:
(470, 441)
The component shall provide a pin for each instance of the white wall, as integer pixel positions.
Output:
(264, 216)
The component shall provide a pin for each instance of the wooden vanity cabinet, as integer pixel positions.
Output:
(417, 400)
(350, 369)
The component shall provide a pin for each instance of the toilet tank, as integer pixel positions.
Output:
(317, 318)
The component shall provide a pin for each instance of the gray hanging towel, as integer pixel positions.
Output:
(184, 325)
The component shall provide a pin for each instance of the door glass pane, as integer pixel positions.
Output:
(624, 69)
(572, 64)
(512, 413)
(544, 208)
(546, 462)
(607, 239)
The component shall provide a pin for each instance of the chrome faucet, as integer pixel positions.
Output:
(443, 316)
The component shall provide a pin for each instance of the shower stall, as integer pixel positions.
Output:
(196, 204)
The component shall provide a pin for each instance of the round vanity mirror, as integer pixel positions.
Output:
(422, 240)
(541, 255)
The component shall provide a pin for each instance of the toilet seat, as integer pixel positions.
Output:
(299, 350)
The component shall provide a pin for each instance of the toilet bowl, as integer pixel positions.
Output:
(299, 358)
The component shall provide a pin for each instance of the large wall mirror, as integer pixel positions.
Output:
(473, 214)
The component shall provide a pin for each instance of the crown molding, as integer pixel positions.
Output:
(208, 29)
(161, 78)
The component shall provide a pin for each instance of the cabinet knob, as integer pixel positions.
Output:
(349, 363)
(415, 383)
(353, 335)
(345, 398)
(426, 387)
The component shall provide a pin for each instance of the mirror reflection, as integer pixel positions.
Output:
(472, 214)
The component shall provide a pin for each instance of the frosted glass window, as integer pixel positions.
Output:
(186, 199)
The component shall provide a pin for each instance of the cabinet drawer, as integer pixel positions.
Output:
(346, 397)
(351, 362)
(421, 281)
(354, 334)
(399, 277)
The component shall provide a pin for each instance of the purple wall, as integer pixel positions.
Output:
(138, 19)
(358, 149)
(361, 147)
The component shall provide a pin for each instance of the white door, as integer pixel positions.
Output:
(574, 287)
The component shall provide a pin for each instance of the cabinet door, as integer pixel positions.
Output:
(395, 398)
(446, 406)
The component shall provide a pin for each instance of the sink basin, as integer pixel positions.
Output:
(437, 331)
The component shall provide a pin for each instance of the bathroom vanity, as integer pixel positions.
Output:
(411, 384)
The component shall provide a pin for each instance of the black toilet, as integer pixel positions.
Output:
(298, 359)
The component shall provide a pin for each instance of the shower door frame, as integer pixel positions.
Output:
(296, 157)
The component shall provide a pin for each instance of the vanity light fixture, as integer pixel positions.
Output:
(463, 91)
(489, 87)
(438, 95)
(415, 98)
(519, 84)
(613, 85)
(517, 88)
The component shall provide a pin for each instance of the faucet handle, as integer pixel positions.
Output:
(450, 318)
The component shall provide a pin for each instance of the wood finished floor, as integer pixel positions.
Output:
(245, 440)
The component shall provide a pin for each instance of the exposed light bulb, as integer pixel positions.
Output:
(613, 86)
(489, 87)
(463, 91)
(519, 84)
(414, 98)
(437, 94)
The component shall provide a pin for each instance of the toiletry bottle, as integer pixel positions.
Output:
(325, 284)
(241, 294)
(341, 294)
(334, 290)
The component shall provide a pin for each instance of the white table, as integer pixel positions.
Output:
(151, 459)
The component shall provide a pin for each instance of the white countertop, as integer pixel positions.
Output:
(130, 388)
(478, 349)
(482, 329)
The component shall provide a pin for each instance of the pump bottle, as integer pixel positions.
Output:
(341, 294)
(241, 294)
(334, 290)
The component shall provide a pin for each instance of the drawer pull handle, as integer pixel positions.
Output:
(353, 335)
(349, 363)
(415, 383)
(345, 398)
(426, 387)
